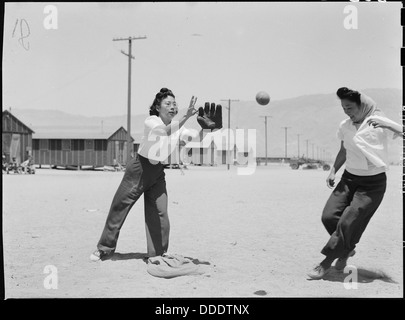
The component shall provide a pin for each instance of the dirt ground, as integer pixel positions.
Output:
(255, 236)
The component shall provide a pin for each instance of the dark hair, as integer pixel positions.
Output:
(348, 94)
(161, 95)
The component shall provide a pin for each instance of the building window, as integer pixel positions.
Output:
(43, 144)
(100, 145)
(66, 145)
(55, 144)
(89, 144)
(78, 144)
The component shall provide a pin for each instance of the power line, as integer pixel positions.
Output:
(285, 129)
(130, 56)
(265, 137)
(80, 76)
(229, 121)
(313, 155)
(307, 140)
(298, 135)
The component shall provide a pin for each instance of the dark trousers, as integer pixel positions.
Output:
(349, 209)
(141, 177)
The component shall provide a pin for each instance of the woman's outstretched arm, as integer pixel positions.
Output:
(339, 161)
(385, 123)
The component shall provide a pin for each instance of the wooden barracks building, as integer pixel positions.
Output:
(16, 138)
(80, 149)
(91, 149)
(65, 149)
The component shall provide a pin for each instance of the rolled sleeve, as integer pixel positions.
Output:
(152, 122)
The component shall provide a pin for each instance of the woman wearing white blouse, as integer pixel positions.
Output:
(361, 189)
(145, 175)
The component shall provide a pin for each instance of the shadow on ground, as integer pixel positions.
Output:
(129, 256)
(117, 256)
(363, 275)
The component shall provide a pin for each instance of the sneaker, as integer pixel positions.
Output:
(342, 261)
(98, 255)
(318, 272)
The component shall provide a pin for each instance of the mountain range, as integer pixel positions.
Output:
(311, 120)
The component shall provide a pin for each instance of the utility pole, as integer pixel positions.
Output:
(265, 137)
(298, 135)
(285, 129)
(313, 156)
(229, 122)
(130, 56)
(307, 140)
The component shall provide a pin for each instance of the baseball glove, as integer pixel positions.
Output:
(210, 117)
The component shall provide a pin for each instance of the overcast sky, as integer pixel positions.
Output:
(211, 50)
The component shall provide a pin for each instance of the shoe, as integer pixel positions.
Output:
(342, 261)
(98, 255)
(318, 272)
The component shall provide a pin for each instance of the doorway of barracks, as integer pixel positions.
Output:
(120, 151)
(16, 146)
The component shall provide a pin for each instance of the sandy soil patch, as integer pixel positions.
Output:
(259, 233)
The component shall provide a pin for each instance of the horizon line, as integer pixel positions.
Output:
(142, 114)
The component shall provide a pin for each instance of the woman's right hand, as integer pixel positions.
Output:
(330, 180)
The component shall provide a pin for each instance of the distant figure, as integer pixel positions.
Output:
(27, 165)
(4, 163)
(14, 166)
(361, 189)
(117, 166)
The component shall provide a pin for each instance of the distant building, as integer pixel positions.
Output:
(16, 138)
(79, 149)
(213, 153)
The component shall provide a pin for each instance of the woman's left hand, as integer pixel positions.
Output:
(379, 122)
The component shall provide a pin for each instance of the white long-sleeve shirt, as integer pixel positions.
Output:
(366, 148)
(157, 146)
